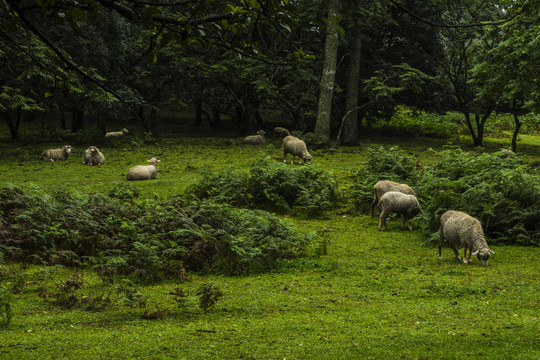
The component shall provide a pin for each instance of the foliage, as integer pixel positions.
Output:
(6, 311)
(272, 186)
(500, 191)
(150, 240)
(209, 294)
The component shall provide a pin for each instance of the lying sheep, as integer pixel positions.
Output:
(462, 230)
(117, 135)
(143, 172)
(399, 203)
(56, 154)
(383, 186)
(281, 132)
(92, 156)
(296, 147)
(255, 139)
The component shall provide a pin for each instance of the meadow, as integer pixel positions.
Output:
(356, 292)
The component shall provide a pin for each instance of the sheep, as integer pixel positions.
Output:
(399, 203)
(462, 230)
(281, 132)
(296, 147)
(143, 172)
(383, 186)
(117, 135)
(506, 153)
(255, 139)
(92, 156)
(56, 154)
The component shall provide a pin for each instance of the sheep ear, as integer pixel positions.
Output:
(491, 252)
(476, 252)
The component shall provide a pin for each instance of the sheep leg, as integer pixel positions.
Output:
(382, 220)
(373, 204)
(284, 156)
(441, 240)
(456, 252)
(465, 255)
(292, 159)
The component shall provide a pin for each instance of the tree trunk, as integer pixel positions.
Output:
(13, 125)
(470, 127)
(324, 109)
(216, 117)
(77, 122)
(198, 111)
(350, 126)
(516, 132)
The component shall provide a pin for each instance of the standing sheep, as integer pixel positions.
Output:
(56, 154)
(399, 203)
(281, 132)
(255, 139)
(296, 147)
(383, 187)
(92, 156)
(117, 135)
(143, 172)
(462, 230)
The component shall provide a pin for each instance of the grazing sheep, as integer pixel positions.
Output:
(143, 172)
(117, 135)
(506, 153)
(281, 131)
(296, 147)
(399, 203)
(462, 230)
(56, 154)
(383, 187)
(255, 139)
(92, 156)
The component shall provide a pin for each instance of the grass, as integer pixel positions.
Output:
(371, 295)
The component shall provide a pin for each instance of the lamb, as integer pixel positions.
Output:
(255, 139)
(281, 131)
(296, 147)
(92, 156)
(383, 186)
(399, 203)
(117, 135)
(56, 154)
(143, 172)
(462, 230)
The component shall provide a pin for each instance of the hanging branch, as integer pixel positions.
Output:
(450, 26)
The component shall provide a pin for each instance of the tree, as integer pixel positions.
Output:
(324, 110)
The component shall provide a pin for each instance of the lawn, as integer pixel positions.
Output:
(360, 294)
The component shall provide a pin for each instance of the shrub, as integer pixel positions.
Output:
(272, 186)
(150, 240)
(500, 192)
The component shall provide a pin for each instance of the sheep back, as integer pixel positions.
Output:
(255, 139)
(296, 147)
(281, 131)
(117, 134)
(92, 156)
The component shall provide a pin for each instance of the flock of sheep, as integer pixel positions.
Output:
(460, 230)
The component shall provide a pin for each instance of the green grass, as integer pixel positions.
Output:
(373, 295)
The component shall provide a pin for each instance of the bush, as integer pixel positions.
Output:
(272, 186)
(150, 240)
(500, 192)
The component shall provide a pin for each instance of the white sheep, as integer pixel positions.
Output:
(383, 186)
(143, 172)
(281, 132)
(92, 156)
(255, 139)
(296, 147)
(462, 230)
(399, 203)
(56, 154)
(117, 135)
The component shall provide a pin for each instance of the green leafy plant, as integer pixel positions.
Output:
(209, 295)
(6, 311)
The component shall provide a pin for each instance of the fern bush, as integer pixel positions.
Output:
(151, 240)
(501, 192)
(270, 185)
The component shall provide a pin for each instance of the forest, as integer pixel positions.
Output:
(226, 249)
